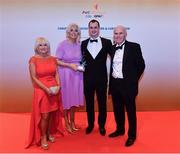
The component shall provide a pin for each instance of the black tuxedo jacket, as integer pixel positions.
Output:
(95, 69)
(133, 64)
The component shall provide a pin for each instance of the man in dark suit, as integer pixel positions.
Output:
(127, 66)
(94, 51)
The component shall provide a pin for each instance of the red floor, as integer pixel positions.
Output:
(158, 132)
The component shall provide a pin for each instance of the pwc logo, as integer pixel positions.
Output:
(94, 12)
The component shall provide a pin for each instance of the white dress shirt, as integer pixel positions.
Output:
(117, 63)
(94, 47)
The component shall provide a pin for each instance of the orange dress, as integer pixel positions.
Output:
(43, 103)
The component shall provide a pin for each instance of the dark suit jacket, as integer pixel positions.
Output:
(95, 69)
(133, 64)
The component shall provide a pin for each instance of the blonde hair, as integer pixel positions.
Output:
(39, 41)
(69, 29)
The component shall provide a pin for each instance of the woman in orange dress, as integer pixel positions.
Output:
(46, 113)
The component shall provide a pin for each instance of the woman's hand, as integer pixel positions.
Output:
(73, 66)
(70, 65)
(48, 91)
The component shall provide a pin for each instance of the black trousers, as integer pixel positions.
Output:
(101, 92)
(123, 96)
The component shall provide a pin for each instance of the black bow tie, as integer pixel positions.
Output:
(94, 41)
(120, 47)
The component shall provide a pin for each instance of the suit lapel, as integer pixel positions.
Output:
(125, 52)
(113, 51)
(102, 42)
(86, 44)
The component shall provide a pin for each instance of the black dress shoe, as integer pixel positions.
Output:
(129, 142)
(89, 129)
(102, 131)
(116, 133)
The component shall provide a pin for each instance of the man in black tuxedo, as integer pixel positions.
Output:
(94, 51)
(127, 66)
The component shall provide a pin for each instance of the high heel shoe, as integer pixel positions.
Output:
(69, 129)
(74, 128)
(44, 146)
(51, 138)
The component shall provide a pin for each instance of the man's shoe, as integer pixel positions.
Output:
(102, 131)
(116, 133)
(129, 142)
(89, 129)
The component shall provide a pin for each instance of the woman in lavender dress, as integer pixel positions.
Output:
(69, 57)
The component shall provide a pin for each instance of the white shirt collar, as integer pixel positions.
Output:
(120, 44)
(97, 38)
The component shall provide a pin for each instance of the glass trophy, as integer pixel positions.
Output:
(82, 65)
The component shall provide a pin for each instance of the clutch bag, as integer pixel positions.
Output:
(53, 89)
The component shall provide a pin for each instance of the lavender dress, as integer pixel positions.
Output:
(71, 81)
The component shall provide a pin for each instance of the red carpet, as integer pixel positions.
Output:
(157, 132)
